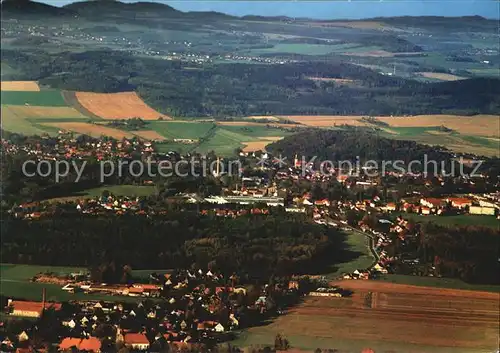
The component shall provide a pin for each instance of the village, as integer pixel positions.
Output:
(182, 309)
(189, 308)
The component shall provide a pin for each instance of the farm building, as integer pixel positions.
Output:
(136, 341)
(30, 309)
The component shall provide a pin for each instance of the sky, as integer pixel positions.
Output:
(334, 9)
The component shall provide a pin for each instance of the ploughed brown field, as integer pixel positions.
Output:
(403, 318)
(122, 105)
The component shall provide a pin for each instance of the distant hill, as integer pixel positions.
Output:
(105, 7)
(138, 10)
(441, 22)
(113, 8)
(27, 7)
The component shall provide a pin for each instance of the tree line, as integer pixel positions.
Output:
(253, 246)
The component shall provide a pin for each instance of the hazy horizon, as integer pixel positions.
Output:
(354, 9)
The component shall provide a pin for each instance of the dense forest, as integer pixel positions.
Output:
(255, 246)
(470, 253)
(339, 145)
(222, 90)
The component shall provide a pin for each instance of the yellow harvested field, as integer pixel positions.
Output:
(255, 146)
(261, 144)
(441, 76)
(122, 105)
(91, 129)
(149, 135)
(479, 125)
(28, 86)
(38, 112)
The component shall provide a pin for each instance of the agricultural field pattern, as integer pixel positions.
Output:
(28, 110)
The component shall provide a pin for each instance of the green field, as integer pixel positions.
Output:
(223, 141)
(180, 129)
(24, 126)
(306, 49)
(359, 244)
(460, 220)
(486, 72)
(254, 131)
(453, 140)
(6, 70)
(49, 98)
(265, 335)
(15, 283)
(452, 283)
(117, 190)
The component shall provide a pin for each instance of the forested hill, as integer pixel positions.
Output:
(16, 8)
(114, 8)
(338, 145)
(102, 10)
(223, 90)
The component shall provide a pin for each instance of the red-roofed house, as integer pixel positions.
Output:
(323, 202)
(136, 341)
(431, 202)
(31, 309)
(459, 202)
(91, 344)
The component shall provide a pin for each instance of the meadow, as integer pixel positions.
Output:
(305, 49)
(15, 283)
(181, 129)
(218, 137)
(118, 190)
(359, 245)
(48, 98)
(458, 220)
